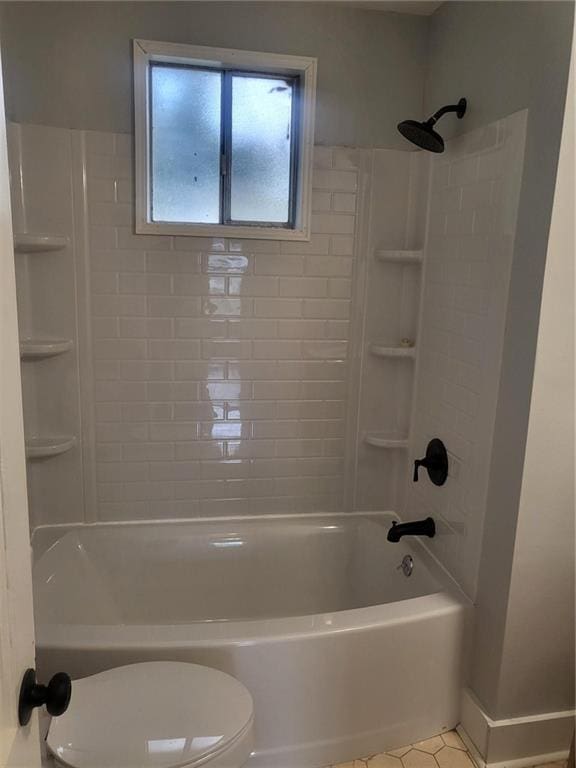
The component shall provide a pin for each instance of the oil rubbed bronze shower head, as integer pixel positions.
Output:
(423, 134)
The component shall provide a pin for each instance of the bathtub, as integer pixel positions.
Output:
(343, 653)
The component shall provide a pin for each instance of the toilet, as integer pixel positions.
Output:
(160, 714)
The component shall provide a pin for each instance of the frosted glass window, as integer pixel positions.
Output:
(261, 149)
(186, 144)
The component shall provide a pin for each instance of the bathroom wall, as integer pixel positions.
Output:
(473, 207)
(220, 365)
(528, 69)
(75, 59)
(543, 568)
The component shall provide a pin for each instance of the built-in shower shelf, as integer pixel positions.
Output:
(29, 243)
(45, 447)
(382, 441)
(398, 257)
(37, 349)
(379, 350)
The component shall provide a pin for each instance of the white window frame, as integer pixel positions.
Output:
(146, 51)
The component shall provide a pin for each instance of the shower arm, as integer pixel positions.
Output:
(459, 108)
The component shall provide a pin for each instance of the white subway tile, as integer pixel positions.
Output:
(174, 349)
(173, 263)
(123, 191)
(344, 202)
(129, 241)
(118, 306)
(145, 284)
(119, 349)
(99, 142)
(117, 432)
(322, 157)
(101, 166)
(328, 266)
(101, 190)
(227, 307)
(277, 308)
(176, 392)
(143, 370)
(226, 390)
(342, 245)
(340, 288)
(345, 181)
(226, 349)
(200, 328)
(276, 350)
(273, 264)
(226, 263)
(298, 448)
(173, 306)
(145, 328)
(199, 285)
(321, 201)
(318, 243)
(123, 145)
(346, 158)
(252, 329)
(200, 243)
(336, 309)
(173, 431)
(200, 370)
(301, 329)
(111, 214)
(303, 287)
(333, 223)
(104, 327)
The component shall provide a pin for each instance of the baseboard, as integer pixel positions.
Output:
(515, 742)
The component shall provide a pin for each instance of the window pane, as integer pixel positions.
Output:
(261, 142)
(185, 123)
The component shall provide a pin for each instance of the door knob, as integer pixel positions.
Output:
(56, 695)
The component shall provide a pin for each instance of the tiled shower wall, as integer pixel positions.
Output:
(474, 197)
(220, 365)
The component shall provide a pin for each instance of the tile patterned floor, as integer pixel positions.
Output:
(444, 751)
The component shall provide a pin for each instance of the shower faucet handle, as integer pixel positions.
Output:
(435, 461)
(417, 464)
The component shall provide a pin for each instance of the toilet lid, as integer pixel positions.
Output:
(159, 714)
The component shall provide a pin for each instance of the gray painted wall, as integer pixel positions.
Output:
(505, 57)
(69, 64)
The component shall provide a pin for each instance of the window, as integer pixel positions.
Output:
(223, 141)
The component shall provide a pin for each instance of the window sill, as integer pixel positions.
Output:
(222, 230)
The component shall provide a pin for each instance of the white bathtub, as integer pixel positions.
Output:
(343, 654)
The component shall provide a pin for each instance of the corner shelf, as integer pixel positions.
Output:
(381, 441)
(45, 447)
(30, 243)
(38, 349)
(398, 256)
(379, 350)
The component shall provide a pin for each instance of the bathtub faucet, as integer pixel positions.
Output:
(425, 527)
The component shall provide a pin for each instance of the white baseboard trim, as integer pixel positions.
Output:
(517, 742)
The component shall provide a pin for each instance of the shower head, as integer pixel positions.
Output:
(423, 134)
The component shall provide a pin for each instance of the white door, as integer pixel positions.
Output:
(18, 746)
